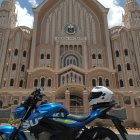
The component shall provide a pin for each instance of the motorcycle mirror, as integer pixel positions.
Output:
(40, 88)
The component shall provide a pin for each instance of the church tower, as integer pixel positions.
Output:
(132, 14)
(7, 14)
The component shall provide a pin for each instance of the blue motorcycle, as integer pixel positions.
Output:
(51, 121)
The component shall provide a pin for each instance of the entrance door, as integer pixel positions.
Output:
(76, 104)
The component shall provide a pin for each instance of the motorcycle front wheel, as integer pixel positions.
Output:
(100, 133)
(3, 137)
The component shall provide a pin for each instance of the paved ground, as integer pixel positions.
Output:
(133, 135)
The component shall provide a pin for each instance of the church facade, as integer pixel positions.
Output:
(69, 51)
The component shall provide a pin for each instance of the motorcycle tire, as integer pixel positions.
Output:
(100, 133)
(3, 137)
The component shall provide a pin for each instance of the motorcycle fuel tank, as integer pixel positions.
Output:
(49, 110)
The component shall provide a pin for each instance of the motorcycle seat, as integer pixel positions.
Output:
(79, 118)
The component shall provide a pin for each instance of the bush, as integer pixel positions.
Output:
(12, 121)
(99, 124)
(4, 120)
(132, 124)
(117, 106)
(4, 107)
(105, 123)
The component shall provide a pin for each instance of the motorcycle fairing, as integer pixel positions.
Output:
(46, 110)
(73, 123)
(8, 130)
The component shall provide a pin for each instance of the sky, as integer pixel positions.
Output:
(25, 15)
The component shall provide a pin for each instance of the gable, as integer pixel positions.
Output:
(54, 16)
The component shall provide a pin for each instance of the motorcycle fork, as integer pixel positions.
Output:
(117, 122)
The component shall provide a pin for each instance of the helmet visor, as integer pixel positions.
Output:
(94, 95)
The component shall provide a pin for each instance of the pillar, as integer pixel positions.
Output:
(53, 95)
(108, 45)
(67, 99)
(3, 54)
(33, 47)
(85, 101)
(57, 55)
(134, 108)
(85, 56)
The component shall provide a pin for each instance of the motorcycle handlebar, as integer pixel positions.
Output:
(35, 97)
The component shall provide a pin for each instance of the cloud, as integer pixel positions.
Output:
(23, 17)
(33, 3)
(115, 12)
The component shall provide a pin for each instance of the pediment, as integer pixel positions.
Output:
(52, 16)
(51, 3)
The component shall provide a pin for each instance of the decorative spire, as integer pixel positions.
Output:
(131, 5)
(131, 17)
(9, 16)
(8, 4)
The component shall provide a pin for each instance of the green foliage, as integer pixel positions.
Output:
(4, 107)
(9, 121)
(132, 124)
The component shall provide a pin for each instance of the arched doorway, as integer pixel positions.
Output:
(76, 100)
(76, 104)
(72, 97)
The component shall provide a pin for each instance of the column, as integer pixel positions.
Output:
(85, 101)
(3, 55)
(33, 42)
(53, 95)
(84, 52)
(133, 108)
(20, 100)
(67, 99)
(136, 45)
(57, 56)
(108, 46)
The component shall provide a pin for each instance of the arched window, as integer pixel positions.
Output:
(70, 61)
(119, 68)
(63, 79)
(100, 81)
(93, 56)
(49, 82)
(121, 83)
(35, 82)
(24, 54)
(48, 56)
(93, 82)
(128, 66)
(74, 62)
(14, 66)
(23, 68)
(126, 52)
(42, 82)
(42, 56)
(1, 104)
(131, 82)
(15, 102)
(16, 52)
(107, 82)
(21, 83)
(80, 79)
(99, 56)
(75, 77)
(117, 54)
(11, 82)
